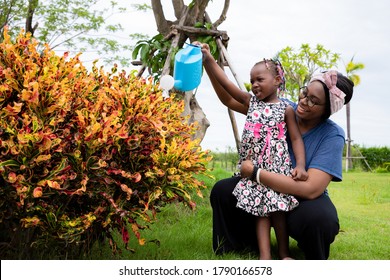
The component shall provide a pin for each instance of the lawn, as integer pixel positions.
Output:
(362, 200)
(363, 203)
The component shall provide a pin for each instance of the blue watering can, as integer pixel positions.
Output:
(187, 71)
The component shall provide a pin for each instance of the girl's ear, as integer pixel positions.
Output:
(278, 80)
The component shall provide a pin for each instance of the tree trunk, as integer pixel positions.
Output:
(196, 114)
(179, 30)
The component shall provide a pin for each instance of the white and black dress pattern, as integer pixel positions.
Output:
(264, 140)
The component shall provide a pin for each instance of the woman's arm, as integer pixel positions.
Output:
(313, 187)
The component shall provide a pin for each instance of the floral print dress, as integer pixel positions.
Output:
(264, 140)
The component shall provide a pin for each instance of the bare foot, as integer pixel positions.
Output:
(287, 258)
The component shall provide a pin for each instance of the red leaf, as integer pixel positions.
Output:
(125, 235)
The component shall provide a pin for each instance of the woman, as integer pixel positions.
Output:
(314, 223)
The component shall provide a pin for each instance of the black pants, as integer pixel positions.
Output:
(313, 224)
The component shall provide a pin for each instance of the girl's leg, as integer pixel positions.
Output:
(263, 227)
(279, 224)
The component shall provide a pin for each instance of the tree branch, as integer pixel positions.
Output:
(222, 17)
(6, 14)
(32, 4)
(199, 31)
(177, 7)
(161, 22)
(201, 6)
(175, 41)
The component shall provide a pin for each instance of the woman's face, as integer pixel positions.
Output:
(315, 92)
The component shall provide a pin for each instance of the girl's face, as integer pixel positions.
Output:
(264, 83)
(316, 94)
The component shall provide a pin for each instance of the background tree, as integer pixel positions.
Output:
(76, 26)
(300, 64)
(191, 23)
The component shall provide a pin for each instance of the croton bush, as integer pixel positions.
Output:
(84, 154)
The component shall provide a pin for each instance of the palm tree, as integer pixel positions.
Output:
(351, 68)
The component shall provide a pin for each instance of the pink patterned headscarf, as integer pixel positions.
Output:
(336, 95)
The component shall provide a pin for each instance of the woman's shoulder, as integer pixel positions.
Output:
(327, 132)
(333, 127)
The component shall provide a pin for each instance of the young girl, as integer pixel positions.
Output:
(264, 141)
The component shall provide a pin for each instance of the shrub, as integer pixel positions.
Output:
(83, 154)
(377, 157)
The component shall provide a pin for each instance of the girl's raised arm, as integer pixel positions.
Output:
(228, 92)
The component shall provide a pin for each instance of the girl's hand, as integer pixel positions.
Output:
(205, 48)
(246, 168)
(299, 174)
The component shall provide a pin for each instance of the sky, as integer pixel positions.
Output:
(259, 29)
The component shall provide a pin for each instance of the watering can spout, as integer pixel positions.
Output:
(178, 84)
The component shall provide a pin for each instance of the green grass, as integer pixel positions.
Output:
(363, 204)
(362, 201)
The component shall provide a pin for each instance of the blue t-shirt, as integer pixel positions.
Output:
(324, 146)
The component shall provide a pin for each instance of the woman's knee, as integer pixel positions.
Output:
(222, 190)
(323, 222)
(318, 215)
(224, 186)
